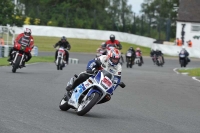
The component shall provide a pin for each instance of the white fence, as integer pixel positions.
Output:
(104, 35)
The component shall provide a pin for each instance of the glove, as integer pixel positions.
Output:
(98, 63)
(89, 71)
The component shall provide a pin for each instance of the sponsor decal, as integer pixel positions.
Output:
(112, 71)
(86, 85)
(71, 101)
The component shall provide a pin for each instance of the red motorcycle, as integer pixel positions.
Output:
(18, 55)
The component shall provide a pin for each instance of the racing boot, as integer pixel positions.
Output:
(70, 84)
(69, 88)
(9, 59)
(23, 64)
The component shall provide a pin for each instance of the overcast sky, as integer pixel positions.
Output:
(136, 5)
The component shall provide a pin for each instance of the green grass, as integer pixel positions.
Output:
(80, 45)
(191, 72)
(3, 61)
(77, 45)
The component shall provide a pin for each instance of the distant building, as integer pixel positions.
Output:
(189, 16)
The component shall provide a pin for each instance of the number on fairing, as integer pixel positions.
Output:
(107, 82)
(128, 54)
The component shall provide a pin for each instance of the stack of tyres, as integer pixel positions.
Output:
(6, 50)
(34, 51)
(2, 51)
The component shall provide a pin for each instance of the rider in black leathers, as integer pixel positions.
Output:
(157, 52)
(133, 53)
(186, 54)
(65, 44)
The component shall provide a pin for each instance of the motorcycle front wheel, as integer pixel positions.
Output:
(182, 63)
(87, 104)
(59, 67)
(64, 106)
(16, 64)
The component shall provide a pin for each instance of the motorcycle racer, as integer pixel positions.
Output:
(113, 42)
(140, 52)
(102, 50)
(65, 44)
(109, 62)
(26, 39)
(185, 53)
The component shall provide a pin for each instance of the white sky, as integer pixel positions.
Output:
(136, 5)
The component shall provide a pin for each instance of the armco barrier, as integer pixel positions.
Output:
(73, 61)
(102, 35)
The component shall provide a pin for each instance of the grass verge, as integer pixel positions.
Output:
(4, 62)
(191, 72)
(80, 45)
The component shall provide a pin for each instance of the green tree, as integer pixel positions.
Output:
(7, 12)
(161, 11)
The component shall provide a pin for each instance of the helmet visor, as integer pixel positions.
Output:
(28, 34)
(115, 61)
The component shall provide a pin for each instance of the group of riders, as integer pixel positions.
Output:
(26, 39)
(109, 59)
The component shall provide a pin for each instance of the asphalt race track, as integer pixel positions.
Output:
(155, 100)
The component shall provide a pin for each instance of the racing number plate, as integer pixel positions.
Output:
(107, 82)
(128, 54)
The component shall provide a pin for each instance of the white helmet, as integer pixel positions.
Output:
(114, 57)
(183, 47)
(27, 32)
(103, 45)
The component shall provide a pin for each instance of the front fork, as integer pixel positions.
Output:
(16, 55)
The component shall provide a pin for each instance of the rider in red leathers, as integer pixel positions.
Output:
(140, 53)
(112, 42)
(101, 50)
(24, 39)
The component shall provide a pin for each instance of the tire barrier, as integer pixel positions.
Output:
(34, 51)
(4, 51)
(73, 61)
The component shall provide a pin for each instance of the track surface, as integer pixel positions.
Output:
(155, 100)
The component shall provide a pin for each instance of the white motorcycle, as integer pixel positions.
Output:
(95, 90)
(138, 59)
(60, 62)
(159, 61)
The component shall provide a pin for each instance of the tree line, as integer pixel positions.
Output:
(156, 19)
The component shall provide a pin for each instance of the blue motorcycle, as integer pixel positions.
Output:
(95, 90)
